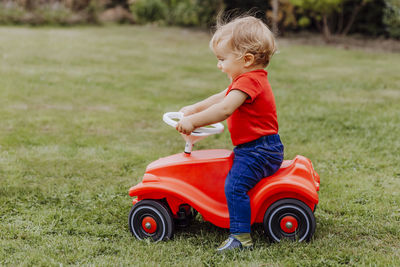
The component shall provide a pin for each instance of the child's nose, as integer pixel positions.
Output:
(219, 65)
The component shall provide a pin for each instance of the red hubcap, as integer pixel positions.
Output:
(149, 225)
(289, 224)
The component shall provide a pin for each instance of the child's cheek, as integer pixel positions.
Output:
(223, 68)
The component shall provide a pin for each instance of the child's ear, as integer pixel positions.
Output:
(248, 59)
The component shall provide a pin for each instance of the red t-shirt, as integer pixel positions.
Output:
(256, 117)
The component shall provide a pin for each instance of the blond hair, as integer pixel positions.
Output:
(246, 35)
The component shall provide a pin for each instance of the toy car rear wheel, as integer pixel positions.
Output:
(290, 219)
(151, 219)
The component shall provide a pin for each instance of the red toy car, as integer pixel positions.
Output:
(176, 187)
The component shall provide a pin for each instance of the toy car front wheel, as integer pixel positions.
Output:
(291, 219)
(151, 219)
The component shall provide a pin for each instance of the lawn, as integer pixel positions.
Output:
(80, 118)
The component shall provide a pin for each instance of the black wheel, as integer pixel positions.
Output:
(151, 219)
(291, 219)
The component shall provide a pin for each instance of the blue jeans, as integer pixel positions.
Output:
(252, 162)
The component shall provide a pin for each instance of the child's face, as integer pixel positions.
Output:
(229, 62)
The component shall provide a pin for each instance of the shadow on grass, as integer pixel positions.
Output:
(199, 231)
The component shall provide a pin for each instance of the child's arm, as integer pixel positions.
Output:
(215, 113)
(202, 105)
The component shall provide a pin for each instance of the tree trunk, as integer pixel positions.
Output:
(353, 17)
(325, 30)
(275, 7)
(340, 21)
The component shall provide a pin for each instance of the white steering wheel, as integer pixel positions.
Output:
(172, 118)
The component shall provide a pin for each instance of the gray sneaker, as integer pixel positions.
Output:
(232, 243)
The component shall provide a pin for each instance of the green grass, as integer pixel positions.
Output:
(81, 117)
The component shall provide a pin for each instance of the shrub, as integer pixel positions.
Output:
(208, 10)
(145, 11)
(184, 13)
(177, 12)
(391, 18)
(55, 13)
(42, 12)
(10, 13)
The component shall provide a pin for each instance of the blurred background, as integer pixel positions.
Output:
(327, 18)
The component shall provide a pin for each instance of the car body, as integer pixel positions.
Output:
(174, 186)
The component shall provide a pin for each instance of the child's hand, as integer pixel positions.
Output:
(188, 110)
(185, 126)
